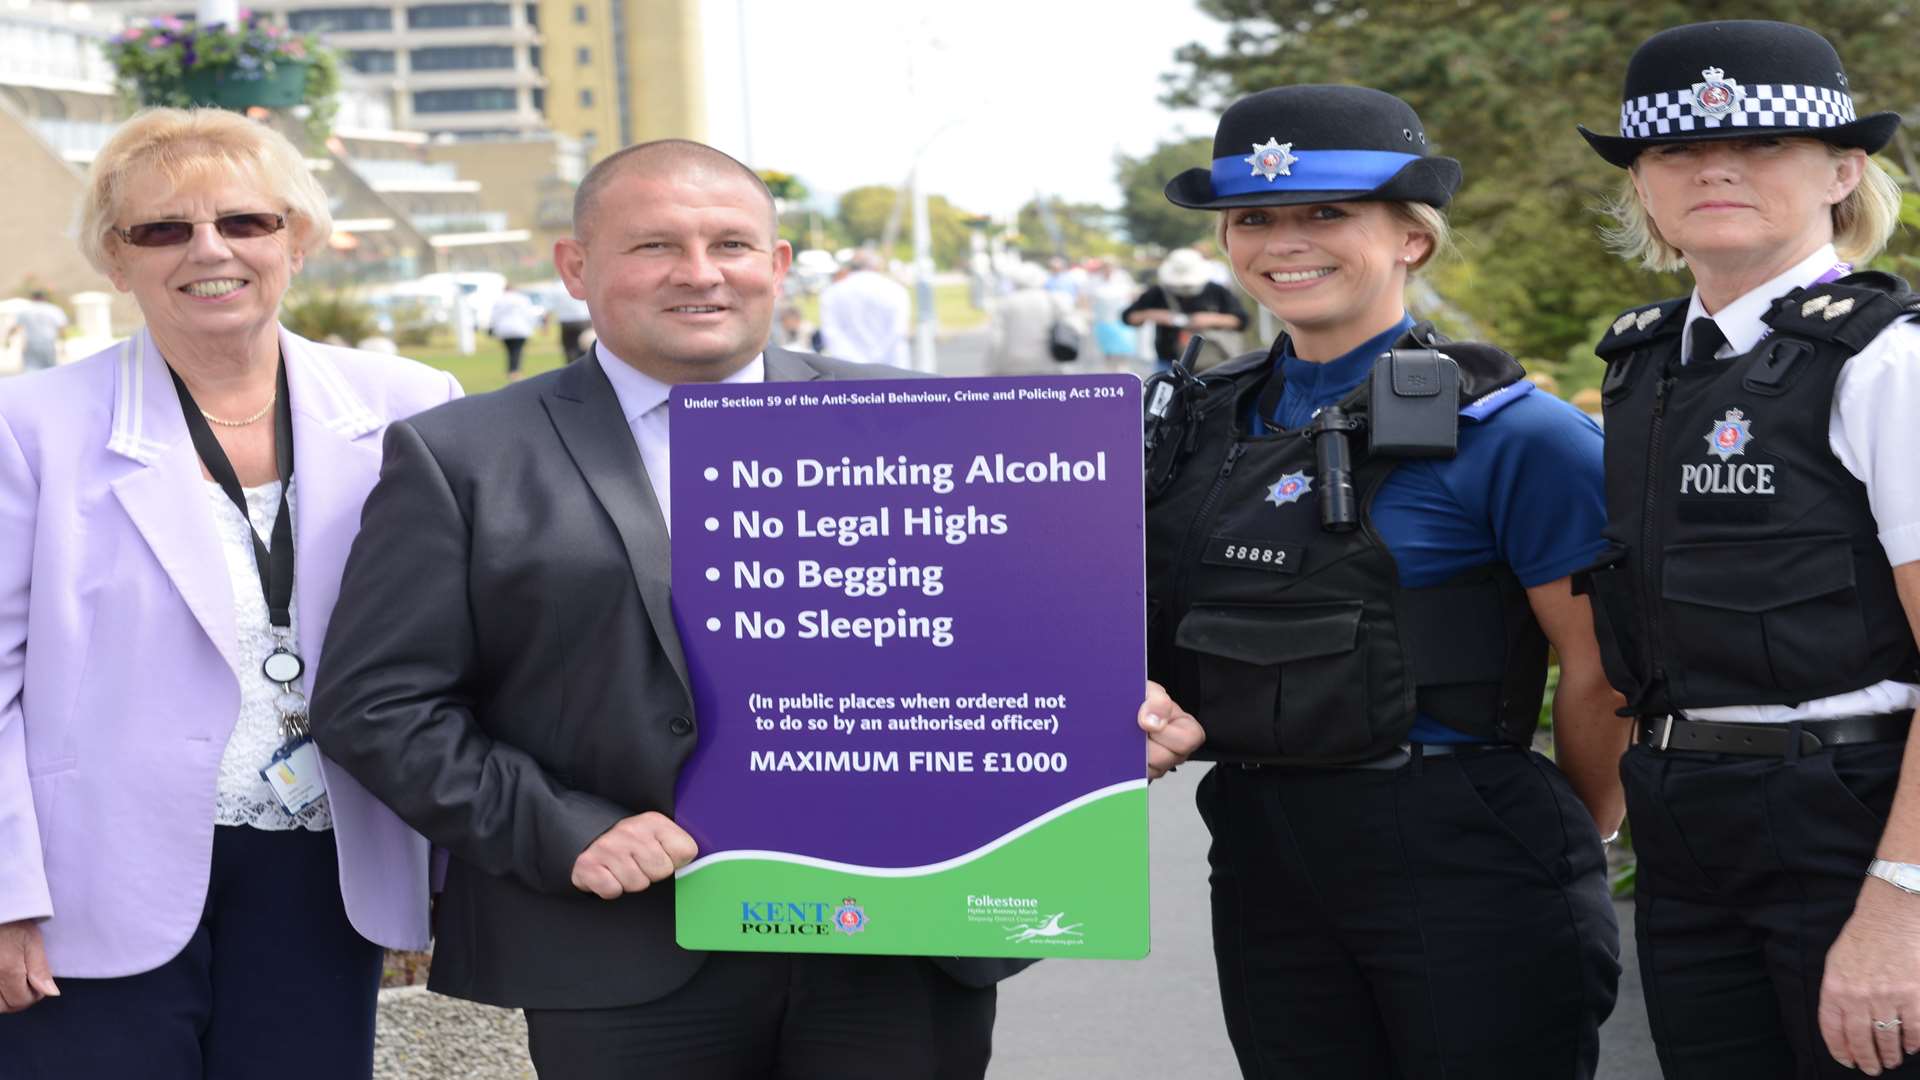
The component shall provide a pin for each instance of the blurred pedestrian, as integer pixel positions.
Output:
(1110, 289)
(513, 320)
(863, 316)
(1022, 323)
(37, 325)
(570, 314)
(1183, 302)
(791, 330)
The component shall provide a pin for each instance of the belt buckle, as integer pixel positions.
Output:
(1666, 733)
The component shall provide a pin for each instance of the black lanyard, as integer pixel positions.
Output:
(275, 564)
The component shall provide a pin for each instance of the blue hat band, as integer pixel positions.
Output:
(1311, 170)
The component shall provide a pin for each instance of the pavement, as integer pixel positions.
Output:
(1059, 1020)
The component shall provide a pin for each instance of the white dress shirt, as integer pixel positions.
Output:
(1875, 432)
(643, 401)
(863, 317)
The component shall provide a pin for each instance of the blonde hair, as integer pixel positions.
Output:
(1862, 222)
(1416, 215)
(181, 146)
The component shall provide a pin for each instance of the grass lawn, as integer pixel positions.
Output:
(486, 369)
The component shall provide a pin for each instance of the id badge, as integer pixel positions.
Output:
(294, 774)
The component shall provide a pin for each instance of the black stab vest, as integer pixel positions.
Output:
(1744, 565)
(1299, 646)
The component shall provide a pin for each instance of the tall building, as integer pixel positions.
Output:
(623, 71)
(57, 106)
(606, 72)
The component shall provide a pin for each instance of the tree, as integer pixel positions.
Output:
(785, 186)
(864, 212)
(1087, 230)
(863, 220)
(1144, 210)
(1500, 87)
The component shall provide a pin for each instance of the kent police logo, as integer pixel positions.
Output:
(1730, 435)
(1715, 95)
(1271, 159)
(1289, 488)
(851, 918)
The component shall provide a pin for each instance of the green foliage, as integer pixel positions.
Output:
(863, 220)
(1500, 87)
(151, 59)
(320, 315)
(784, 185)
(1087, 230)
(1144, 209)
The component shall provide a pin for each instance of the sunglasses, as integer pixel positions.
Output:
(232, 226)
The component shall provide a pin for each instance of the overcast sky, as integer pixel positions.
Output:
(1005, 95)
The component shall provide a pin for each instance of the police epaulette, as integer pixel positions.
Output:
(1851, 311)
(1640, 325)
(1483, 368)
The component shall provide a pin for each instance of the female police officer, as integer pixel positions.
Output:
(1764, 507)
(1351, 560)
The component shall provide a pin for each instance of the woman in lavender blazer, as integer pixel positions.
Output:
(163, 912)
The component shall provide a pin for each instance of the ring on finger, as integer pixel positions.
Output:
(1886, 1025)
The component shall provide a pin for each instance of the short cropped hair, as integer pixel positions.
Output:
(185, 146)
(675, 152)
(1416, 215)
(1863, 222)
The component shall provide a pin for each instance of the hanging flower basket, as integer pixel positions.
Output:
(280, 87)
(170, 61)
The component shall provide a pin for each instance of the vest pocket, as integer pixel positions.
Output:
(1772, 616)
(1281, 681)
(1608, 584)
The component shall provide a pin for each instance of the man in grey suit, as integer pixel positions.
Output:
(503, 670)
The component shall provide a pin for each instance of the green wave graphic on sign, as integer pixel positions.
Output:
(1074, 885)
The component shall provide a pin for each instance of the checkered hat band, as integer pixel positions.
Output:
(1768, 105)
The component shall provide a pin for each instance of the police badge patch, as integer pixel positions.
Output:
(1289, 488)
(1730, 435)
(851, 918)
(1716, 95)
(1271, 159)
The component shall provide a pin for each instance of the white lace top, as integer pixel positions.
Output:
(244, 798)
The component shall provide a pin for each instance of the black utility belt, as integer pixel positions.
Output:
(1770, 740)
(1392, 759)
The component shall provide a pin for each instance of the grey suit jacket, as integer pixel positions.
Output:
(482, 678)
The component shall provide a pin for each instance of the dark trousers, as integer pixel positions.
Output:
(764, 1016)
(1748, 869)
(570, 339)
(1448, 918)
(273, 982)
(515, 346)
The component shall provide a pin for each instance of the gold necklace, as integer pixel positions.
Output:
(249, 421)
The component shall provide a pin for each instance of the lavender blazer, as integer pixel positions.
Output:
(117, 632)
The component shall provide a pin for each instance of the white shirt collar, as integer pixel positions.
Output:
(640, 393)
(1741, 321)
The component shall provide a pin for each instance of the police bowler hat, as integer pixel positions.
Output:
(1313, 144)
(1735, 80)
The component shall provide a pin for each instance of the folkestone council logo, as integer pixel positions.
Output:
(1020, 919)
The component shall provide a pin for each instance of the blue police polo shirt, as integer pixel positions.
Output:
(1525, 489)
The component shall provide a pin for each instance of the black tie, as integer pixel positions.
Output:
(1707, 340)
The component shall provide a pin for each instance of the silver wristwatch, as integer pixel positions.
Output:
(1904, 876)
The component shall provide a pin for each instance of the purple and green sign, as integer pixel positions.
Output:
(914, 617)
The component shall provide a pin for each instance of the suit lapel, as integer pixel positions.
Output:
(587, 415)
(335, 464)
(784, 366)
(167, 499)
